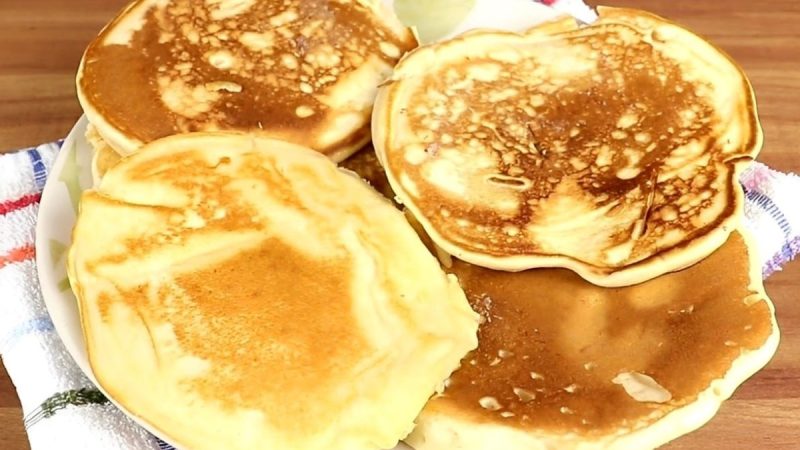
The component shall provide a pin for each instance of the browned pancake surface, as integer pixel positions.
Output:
(267, 68)
(232, 292)
(593, 148)
(551, 343)
(545, 134)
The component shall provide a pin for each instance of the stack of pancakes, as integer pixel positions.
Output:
(569, 197)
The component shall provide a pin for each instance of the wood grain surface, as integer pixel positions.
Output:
(41, 42)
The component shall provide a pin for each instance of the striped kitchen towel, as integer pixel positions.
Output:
(64, 410)
(773, 214)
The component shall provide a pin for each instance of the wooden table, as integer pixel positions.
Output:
(41, 42)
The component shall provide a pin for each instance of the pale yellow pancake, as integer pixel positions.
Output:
(244, 293)
(611, 149)
(305, 71)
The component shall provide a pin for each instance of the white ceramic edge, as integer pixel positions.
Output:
(56, 212)
(55, 206)
(515, 15)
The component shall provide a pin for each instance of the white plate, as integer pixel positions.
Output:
(71, 174)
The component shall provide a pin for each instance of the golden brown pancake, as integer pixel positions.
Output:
(239, 292)
(305, 71)
(611, 149)
(563, 364)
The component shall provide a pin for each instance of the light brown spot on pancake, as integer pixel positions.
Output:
(254, 300)
(304, 111)
(489, 403)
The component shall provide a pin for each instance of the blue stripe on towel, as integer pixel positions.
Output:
(163, 445)
(39, 169)
(766, 203)
(41, 324)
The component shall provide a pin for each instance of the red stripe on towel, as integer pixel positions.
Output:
(13, 205)
(18, 254)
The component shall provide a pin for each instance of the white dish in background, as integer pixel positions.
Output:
(448, 18)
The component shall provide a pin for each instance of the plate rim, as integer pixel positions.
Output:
(46, 273)
(51, 295)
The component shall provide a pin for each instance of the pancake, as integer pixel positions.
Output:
(239, 292)
(103, 156)
(298, 70)
(563, 364)
(611, 149)
(364, 163)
